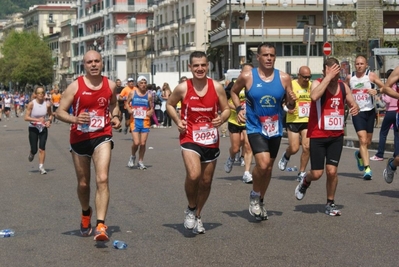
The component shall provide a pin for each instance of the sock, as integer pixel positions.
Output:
(40, 166)
(255, 194)
(306, 183)
(191, 209)
(285, 156)
(365, 167)
(261, 201)
(330, 202)
(99, 221)
(358, 155)
(86, 212)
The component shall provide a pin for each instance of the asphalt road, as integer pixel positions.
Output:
(146, 211)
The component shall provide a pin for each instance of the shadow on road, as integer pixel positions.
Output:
(188, 233)
(386, 193)
(313, 208)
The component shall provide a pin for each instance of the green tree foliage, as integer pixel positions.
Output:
(27, 59)
(8, 7)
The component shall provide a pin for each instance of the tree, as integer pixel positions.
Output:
(26, 59)
(215, 55)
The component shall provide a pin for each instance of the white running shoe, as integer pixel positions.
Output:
(199, 227)
(247, 177)
(263, 213)
(189, 220)
(131, 162)
(141, 166)
(332, 210)
(228, 166)
(282, 164)
(254, 207)
(300, 190)
(301, 176)
(42, 170)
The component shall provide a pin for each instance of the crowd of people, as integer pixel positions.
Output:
(256, 107)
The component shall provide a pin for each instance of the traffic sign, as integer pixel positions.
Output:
(385, 51)
(327, 49)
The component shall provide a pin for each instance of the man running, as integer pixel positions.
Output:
(203, 109)
(266, 88)
(140, 107)
(93, 100)
(297, 122)
(123, 97)
(326, 131)
(362, 83)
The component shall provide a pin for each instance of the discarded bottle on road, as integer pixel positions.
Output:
(293, 169)
(119, 244)
(7, 233)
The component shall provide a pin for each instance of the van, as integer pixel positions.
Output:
(231, 75)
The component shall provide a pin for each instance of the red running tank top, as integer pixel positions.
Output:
(96, 102)
(326, 117)
(199, 113)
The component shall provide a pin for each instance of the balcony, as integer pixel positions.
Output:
(189, 20)
(51, 23)
(64, 39)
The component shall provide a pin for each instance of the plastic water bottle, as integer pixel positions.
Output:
(119, 244)
(85, 127)
(7, 233)
(293, 169)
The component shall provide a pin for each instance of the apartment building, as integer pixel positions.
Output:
(285, 22)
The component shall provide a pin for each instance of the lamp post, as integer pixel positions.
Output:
(263, 22)
(230, 35)
(339, 25)
(246, 18)
(178, 40)
(133, 19)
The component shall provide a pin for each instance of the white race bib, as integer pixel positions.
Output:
(205, 134)
(333, 120)
(139, 112)
(303, 109)
(270, 125)
(97, 121)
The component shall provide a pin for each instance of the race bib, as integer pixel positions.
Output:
(303, 109)
(97, 122)
(270, 125)
(56, 104)
(139, 112)
(361, 97)
(205, 134)
(333, 120)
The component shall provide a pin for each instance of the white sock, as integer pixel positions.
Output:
(40, 166)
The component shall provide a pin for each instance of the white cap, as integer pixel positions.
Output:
(141, 78)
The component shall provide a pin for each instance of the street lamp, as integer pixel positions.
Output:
(339, 25)
(263, 22)
(222, 25)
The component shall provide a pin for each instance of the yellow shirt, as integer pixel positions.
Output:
(302, 104)
(233, 113)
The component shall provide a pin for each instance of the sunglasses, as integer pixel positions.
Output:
(40, 93)
(306, 77)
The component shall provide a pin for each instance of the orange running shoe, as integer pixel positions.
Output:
(85, 225)
(101, 233)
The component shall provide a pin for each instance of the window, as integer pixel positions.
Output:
(50, 17)
(303, 20)
(51, 30)
(187, 11)
(300, 49)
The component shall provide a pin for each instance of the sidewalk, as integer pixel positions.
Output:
(351, 139)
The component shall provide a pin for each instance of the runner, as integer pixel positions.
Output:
(39, 115)
(204, 108)
(140, 107)
(326, 131)
(123, 96)
(297, 122)
(55, 100)
(265, 89)
(238, 136)
(362, 83)
(93, 99)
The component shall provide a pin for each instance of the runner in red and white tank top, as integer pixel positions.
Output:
(199, 113)
(99, 111)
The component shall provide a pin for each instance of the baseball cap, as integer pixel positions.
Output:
(141, 78)
(130, 79)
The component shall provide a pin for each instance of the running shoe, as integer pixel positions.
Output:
(359, 161)
(247, 178)
(301, 176)
(282, 164)
(199, 227)
(228, 166)
(263, 213)
(85, 224)
(254, 206)
(31, 157)
(388, 173)
(332, 210)
(242, 161)
(42, 170)
(368, 174)
(141, 166)
(300, 190)
(131, 162)
(237, 157)
(375, 158)
(189, 220)
(101, 233)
